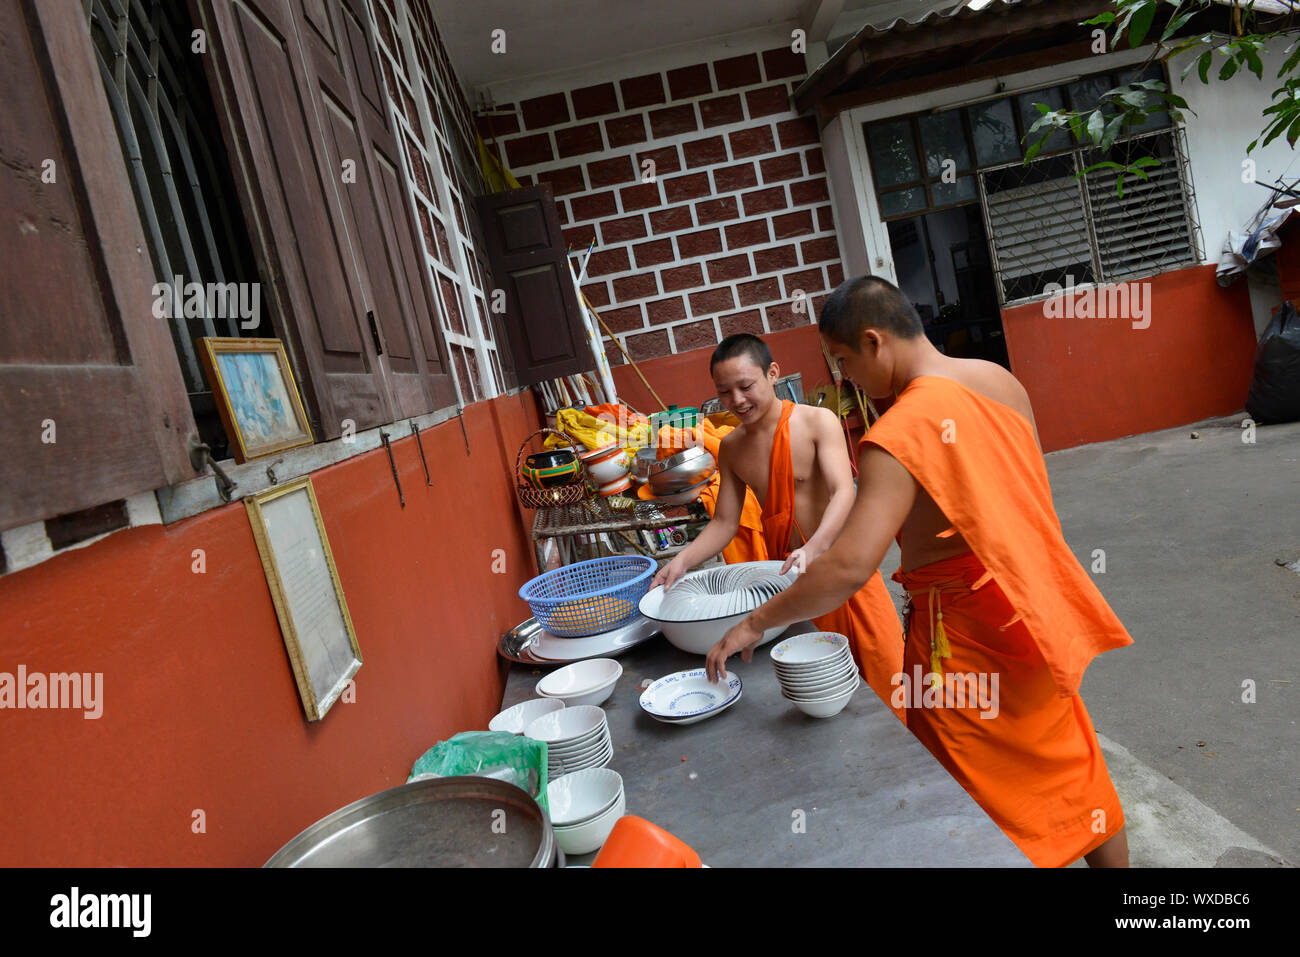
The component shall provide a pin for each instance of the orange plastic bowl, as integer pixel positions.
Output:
(635, 842)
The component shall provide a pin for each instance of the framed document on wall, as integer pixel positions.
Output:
(305, 589)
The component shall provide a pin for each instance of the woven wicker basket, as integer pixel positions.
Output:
(556, 497)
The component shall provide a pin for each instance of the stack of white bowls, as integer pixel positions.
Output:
(585, 806)
(816, 672)
(584, 682)
(576, 738)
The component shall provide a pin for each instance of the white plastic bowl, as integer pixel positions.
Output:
(583, 795)
(590, 835)
(809, 648)
(514, 720)
(827, 707)
(563, 726)
(584, 682)
(696, 637)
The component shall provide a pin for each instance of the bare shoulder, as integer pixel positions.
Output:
(814, 419)
(997, 383)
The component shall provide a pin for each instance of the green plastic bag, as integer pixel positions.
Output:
(497, 754)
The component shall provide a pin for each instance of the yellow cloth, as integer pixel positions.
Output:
(628, 430)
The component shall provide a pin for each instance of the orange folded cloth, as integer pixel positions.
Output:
(1017, 610)
(868, 619)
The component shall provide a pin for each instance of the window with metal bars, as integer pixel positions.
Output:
(168, 129)
(1046, 223)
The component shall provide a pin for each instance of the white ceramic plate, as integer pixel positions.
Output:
(688, 694)
(700, 717)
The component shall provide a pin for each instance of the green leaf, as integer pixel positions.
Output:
(1119, 186)
(1255, 64)
(1206, 61)
(1135, 98)
(1076, 127)
(1034, 150)
(1176, 24)
(1229, 68)
(1293, 133)
(1096, 126)
(1101, 19)
(1145, 161)
(1112, 131)
(1141, 23)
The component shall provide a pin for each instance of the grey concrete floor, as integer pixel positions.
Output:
(1193, 531)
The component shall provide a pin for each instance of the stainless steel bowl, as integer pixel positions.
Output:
(643, 464)
(437, 822)
(683, 470)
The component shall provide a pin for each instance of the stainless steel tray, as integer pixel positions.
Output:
(514, 645)
(437, 822)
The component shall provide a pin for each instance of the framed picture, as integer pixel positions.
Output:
(305, 588)
(256, 396)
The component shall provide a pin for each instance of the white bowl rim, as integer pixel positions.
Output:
(577, 744)
(842, 643)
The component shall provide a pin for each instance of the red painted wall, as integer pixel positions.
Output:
(684, 379)
(200, 710)
(1091, 380)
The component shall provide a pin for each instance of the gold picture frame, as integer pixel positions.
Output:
(256, 395)
(299, 566)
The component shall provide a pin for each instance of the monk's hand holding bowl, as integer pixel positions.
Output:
(744, 638)
(800, 559)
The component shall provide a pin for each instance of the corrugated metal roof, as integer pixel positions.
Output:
(962, 11)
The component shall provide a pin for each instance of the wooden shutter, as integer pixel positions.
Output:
(79, 345)
(526, 249)
(299, 96)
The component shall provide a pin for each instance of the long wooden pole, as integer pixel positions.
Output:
(630, 360)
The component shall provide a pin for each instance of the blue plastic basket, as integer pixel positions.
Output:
(587, 598)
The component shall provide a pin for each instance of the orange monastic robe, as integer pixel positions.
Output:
(1017, 618)
(868, 619)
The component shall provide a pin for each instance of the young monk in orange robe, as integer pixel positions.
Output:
(954, 469)
(793, 459)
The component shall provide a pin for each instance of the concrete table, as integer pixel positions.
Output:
(763, 785)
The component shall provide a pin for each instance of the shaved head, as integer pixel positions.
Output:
(867, 302)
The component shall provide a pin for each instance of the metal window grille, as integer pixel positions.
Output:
(142, 47)
(1048, 225)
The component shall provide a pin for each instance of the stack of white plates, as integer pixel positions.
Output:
(585, 806)
(816, 672)
(689, 696)
(576, 738)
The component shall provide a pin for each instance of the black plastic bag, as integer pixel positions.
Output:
(1275, 386)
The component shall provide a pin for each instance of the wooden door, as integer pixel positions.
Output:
(544, 328)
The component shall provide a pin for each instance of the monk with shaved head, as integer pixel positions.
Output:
(954, 472)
